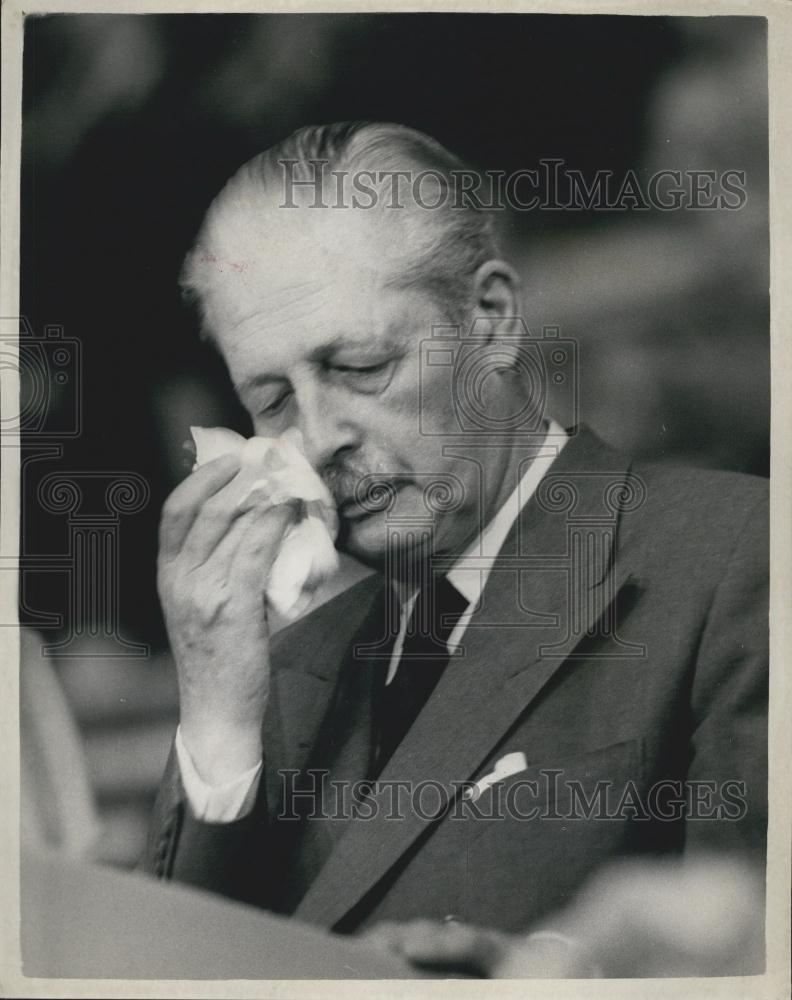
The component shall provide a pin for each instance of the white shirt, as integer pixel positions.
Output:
(233, 800)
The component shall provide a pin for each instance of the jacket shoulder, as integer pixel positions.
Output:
(684, 492)
(702, 512)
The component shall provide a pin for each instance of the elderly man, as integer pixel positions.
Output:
(561, 658)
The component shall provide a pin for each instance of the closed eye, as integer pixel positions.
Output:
(276, 406)
(363, 369)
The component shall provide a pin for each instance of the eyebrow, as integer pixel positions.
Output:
(386, 342)
(256, 382)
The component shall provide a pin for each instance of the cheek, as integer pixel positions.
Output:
(389, 424)
(400, 441)
(434, 404)
(418, 408)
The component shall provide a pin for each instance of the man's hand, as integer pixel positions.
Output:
(699, 916)
(214, 562)
(451, 948)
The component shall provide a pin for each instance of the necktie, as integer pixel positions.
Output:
(437, 609)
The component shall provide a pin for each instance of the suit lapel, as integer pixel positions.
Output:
(306, 665)
(548, 591)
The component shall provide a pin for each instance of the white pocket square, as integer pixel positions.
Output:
(509, 764)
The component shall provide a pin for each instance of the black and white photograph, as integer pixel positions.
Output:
(387, 452)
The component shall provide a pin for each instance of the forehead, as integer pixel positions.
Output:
(288, 267)
(310, 301)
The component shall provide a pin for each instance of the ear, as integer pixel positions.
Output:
(496, 288)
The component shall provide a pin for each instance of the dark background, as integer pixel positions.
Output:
(132, 123)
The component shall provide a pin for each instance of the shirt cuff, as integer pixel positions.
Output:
(224, 803)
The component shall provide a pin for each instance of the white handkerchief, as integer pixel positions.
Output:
(509, 764)
(273, 471)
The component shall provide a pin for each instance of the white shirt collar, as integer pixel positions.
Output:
(471, 582)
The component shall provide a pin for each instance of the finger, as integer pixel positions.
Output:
(408, 934)
(212, 524)
(256, 534)
(449, 946)
(258, 548)
(453, 946)
(218, 564)
(182, 506)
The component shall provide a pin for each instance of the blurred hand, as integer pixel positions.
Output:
(461, 949)
(213, 566)
(702, 916)
(442, 947)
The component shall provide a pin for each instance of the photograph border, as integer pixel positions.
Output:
(774, 983)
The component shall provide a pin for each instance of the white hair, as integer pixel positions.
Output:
(445, 239)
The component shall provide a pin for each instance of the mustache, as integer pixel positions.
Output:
(360, 483)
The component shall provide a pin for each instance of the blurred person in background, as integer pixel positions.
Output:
(58, 812)
(644, 677)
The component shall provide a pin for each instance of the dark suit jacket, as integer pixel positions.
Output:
(620, 644)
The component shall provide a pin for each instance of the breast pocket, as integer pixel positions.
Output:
(532, 839)
(593, 784)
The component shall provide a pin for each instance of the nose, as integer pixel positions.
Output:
(328, 426)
